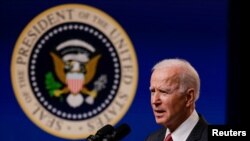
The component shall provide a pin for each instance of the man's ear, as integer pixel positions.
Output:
(190, 97)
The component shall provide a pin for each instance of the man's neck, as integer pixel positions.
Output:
(179, 120)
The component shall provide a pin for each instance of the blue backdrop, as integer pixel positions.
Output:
(195, 30)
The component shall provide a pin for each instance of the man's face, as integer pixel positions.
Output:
(168, 103)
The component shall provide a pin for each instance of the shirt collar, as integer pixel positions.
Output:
(183, 131)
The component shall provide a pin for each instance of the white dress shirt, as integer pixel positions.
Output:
(183, 131)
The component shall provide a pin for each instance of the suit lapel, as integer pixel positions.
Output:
(161, 134)
(197, 132)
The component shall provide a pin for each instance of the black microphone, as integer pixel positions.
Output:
(119, 133)
(105, 130)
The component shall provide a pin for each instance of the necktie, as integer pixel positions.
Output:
(168, 138)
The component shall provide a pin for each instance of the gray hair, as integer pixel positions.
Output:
(188, 75)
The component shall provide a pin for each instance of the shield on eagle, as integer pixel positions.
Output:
(75, 82)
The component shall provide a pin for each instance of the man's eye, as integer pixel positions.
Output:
(162, 91)
(165, 91)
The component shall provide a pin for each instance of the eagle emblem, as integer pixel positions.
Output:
(74, 71)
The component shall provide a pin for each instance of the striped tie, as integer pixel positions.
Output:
(168, 138)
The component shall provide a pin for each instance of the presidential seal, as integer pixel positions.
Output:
(74, 70)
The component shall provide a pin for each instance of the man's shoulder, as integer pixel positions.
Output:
(200, 131)
(157, 135)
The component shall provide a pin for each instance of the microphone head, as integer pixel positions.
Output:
(90, 138)
(121, 131)
(107, 129)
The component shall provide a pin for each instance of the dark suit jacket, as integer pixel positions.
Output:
(199, 133)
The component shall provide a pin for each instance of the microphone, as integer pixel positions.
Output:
(119, 133)
(107, 129)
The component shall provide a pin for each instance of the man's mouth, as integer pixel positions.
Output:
(159, 113)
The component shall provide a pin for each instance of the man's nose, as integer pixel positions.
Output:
(156, 99)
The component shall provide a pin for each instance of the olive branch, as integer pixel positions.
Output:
(51, 84)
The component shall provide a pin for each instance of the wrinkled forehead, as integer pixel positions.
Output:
(167, 76)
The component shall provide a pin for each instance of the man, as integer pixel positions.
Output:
(174, 88)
